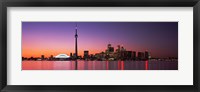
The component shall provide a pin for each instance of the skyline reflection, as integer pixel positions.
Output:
(100, 65)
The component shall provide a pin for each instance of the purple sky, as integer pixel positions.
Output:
(52, 38)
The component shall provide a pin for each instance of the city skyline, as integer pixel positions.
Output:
(53, 38)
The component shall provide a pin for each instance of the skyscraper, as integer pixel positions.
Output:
(134, 55)
(71, 55)
(147, 55)
(86, 54)
(128, 54)
(110, 48)
(140, 55)
(76, 48)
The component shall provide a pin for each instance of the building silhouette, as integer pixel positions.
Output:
(147, 55)
(86, 55)
(110, 48)
(140, 55)
(128, 55)
(76, 47)
(42, 57)
(51, 57)
(134, 55)
(71, 55)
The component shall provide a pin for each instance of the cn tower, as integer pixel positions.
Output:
(76, 36)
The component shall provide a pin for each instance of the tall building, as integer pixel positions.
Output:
(140, 55)
(92, 57)
(71, 55)
(128, 54)
(86, 54)
(118, 50)
(76, 47)
(110, 48)
(147, 55)
(109, 51)
(134, 55)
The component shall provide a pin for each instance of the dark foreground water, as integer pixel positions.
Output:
(100, 65)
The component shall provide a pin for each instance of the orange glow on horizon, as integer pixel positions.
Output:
(47, 53)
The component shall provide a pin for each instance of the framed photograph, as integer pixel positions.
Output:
(74, 45)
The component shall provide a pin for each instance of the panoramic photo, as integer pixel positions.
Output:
(99, 45)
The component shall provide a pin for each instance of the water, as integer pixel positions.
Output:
(100, 65)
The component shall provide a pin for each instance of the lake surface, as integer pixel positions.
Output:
(99, 65)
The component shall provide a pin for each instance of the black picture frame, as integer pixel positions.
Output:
(99, 3)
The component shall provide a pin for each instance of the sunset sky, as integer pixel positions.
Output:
(53, 38)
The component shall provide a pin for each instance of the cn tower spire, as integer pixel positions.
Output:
(76, 28)
(76, 47)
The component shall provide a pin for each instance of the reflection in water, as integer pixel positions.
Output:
(99, 65)
(146, 65)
